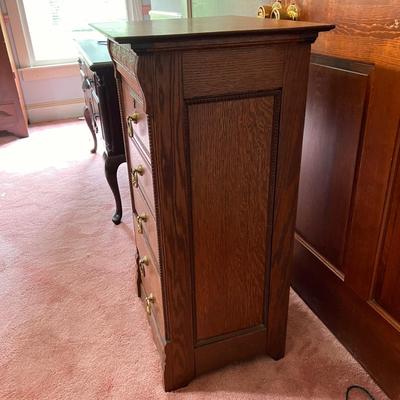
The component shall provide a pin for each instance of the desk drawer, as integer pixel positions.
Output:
(145, 224)
(141, 174)
(151, 282)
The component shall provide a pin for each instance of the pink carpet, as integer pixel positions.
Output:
(71, 326)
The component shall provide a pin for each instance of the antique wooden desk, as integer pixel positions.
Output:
(213, 112)
(101, 105)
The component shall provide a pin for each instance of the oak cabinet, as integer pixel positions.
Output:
(213, 110)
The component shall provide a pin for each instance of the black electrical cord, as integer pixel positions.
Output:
(361, 389)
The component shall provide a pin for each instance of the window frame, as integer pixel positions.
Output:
(23, 49)
(22, 39)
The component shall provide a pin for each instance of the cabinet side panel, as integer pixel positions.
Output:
(230, 153)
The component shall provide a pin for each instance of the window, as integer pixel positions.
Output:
(52, 24)
(162, 9)
(205, 8)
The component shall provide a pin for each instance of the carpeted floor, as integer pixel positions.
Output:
(71, 326)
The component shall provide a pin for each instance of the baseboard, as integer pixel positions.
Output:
(55, 110)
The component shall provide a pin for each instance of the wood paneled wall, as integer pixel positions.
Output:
(366, 30)
(347, 259)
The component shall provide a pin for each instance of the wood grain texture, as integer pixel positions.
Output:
(145, 180)
(133, 105)
(232, 349)
(230, 71)
(151, 283)
(160, 78)
(159, 340)
(215, 182)
(388, 269)
(149, 226)
(366, 30)
(375, 166)
(149, 34)
(332, 135)
(230, 156)
(354, 322)
(286, 193)
(353, 293)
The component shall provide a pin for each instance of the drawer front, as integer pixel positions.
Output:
(136, 119)
(141, 174)
(151, 283)
(145, 224)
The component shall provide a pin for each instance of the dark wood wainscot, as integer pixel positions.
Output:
(102, 110)
(213, 112)
(347, 258)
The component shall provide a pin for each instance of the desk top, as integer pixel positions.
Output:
(94, 52)
(211, 27)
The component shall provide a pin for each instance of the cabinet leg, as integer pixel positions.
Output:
(111, 165)
(88, 119)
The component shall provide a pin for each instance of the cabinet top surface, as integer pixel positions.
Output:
(158, 30)
(94, 52)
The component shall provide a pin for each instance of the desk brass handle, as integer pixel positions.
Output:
(150, 300)
(139, 170)
(139, 222)
(134, 118)
(143, 262)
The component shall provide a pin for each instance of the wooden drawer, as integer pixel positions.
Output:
(145, 224)
(151, 282)
(141, 174)
(135, 117)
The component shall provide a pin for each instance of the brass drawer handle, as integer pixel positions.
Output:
(143, 262)
(134, 118)
(150, 300)
(139, 222)
(139, 170)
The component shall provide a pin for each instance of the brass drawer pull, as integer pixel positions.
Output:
(143, 262)
(139, 222)
(139, 170)
(150, 300)
(134, 118)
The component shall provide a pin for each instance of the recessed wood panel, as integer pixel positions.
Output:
(230, 160)
(351, 305)
(388, 277)
(332, 134)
